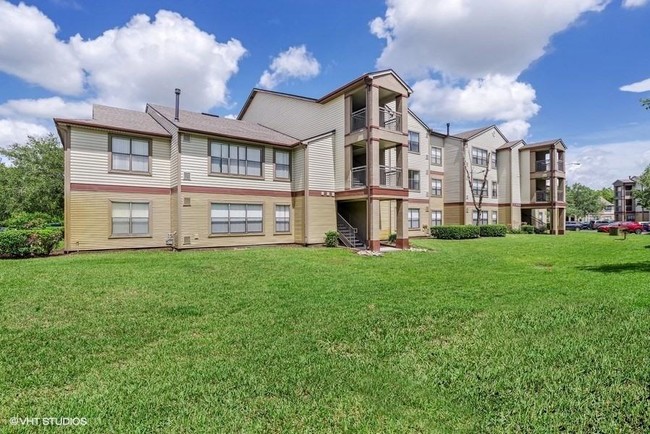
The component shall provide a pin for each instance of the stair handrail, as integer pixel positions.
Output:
(354, 231)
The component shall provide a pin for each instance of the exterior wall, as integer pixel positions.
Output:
(419, 160)
(89, 161)
(321, 217)
(387, 219)
(303, 119)
(489, 140)
(196, 221)
(454, 214)
(454, 171)
(524, 173)
(321, 164)
(89, 221)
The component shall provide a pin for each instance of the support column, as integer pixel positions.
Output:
(403, 164)
(348, 166)
(402, 224)
(374, 210)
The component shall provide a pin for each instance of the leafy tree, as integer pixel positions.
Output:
(471, 171)
(582, 200)
(32, 181)
(645, 102)
(607, 193)
(642, 192)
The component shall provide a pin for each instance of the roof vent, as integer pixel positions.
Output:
(177, 91)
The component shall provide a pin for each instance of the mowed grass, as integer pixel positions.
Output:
(522, 334)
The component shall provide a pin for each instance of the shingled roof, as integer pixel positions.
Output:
(113, 118)
(231, 128)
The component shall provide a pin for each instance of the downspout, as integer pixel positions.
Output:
(306, 193)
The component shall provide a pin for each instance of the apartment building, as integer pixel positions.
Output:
(626, 207)
(291, 168)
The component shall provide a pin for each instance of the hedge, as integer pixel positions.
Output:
(493, 230)
(528, 229)
(455, 232)
(20, 243)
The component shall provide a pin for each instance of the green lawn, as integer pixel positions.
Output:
(530, 333)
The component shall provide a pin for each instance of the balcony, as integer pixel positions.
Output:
(541, 196)
(358, 120)
(542, 166)
(388, 177)
(560, 196)
(560, 165)
(390, 119)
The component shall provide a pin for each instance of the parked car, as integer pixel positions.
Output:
(646, 226)
(635, 227)
(598, 223)
(576, 226)
(605, 227)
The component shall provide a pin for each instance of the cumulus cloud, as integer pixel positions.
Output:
(15, 131)
(31, 51)
(465, 55)
(142, 61)
(296, 62)
(639, 86)
(602, 164)
(634, 3)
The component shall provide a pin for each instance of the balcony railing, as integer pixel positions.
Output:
(560, 165)
(542, 165)
(541, 196)
(560, 196)
(358, 120)
(358, 177)
(390, 119)
(390, 176)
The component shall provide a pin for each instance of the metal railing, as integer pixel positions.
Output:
(353, 238)
(560, 196)
(542, 165)
(560, 165)
(358, 120)
(541, 196)
(390, 119)
(358, 177)
(390, 176)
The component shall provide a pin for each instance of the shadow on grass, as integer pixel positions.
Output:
(643, 267)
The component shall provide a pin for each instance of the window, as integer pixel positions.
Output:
(495, 216)
(130, 219)
(483, 220)
(235, 159)
(479, 157)
(495, 189)
(478, 188)
(436, 187)
(414, 142)
(414, 218)
(436, 218)
(130, 154)
(494, 160)
(414, 180)
(436, 156)
(282, 166)
(235, 218)
(282, 218)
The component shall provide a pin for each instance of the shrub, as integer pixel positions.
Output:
(20, 243)
(28, 220)
(528, 229)
(392, 238)
(514, 231)
(493, 230)
(331, 239)
(455, 232)
(539, 230)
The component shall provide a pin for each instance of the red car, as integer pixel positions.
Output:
(635, 227)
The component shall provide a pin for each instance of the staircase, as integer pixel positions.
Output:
(348, 234)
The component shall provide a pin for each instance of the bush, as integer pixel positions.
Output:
(29, 220)
(20, 243)
(455, 232)
(539, 230)
(331, 239)
(515, 231)
(392, 238)
(493, 230)
(528, 229)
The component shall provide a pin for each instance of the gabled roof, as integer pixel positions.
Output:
(510, 145)
(420, 121)
(469, 135)
(231, 128)
(546, 143)
(117, 119)
(331, 95)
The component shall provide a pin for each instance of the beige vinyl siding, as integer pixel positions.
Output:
(197, 223)
(452, 186)
(425, 219)
(524, 173)
(321, 218)
(505, 175)
(489, 140)
(303, 119)
(515, 176)
(90, 221)
(453, 215)
(298, 204)
(419, 161)
(387, 218)
(196, 161)
(298, 169)
(321, 164)
(89, 163)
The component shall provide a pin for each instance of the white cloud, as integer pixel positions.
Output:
(30, 50)
(601, 165)
(496, 97)
(46, 108)
(634, 3)
(466, 55)
(15, 131)
(639, 86)
(296, 62)
(145, 60)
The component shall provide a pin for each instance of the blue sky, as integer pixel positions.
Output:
(538, 69)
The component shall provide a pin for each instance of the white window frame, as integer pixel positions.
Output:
(130, 219)
(413, 217)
